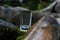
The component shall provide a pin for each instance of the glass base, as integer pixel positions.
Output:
(24, 28)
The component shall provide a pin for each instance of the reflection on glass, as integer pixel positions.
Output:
(25, 19)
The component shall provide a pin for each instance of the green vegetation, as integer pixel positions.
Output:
(20, 34)
(30, 4)
(10, 34)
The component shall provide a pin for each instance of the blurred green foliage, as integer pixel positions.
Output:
(20, 34)
(30, 4)
(6, 33)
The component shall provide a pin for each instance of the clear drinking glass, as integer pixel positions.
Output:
(25, 19)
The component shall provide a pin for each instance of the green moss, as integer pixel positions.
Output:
(20, 34)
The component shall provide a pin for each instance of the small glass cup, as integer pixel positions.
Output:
(25, 19)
